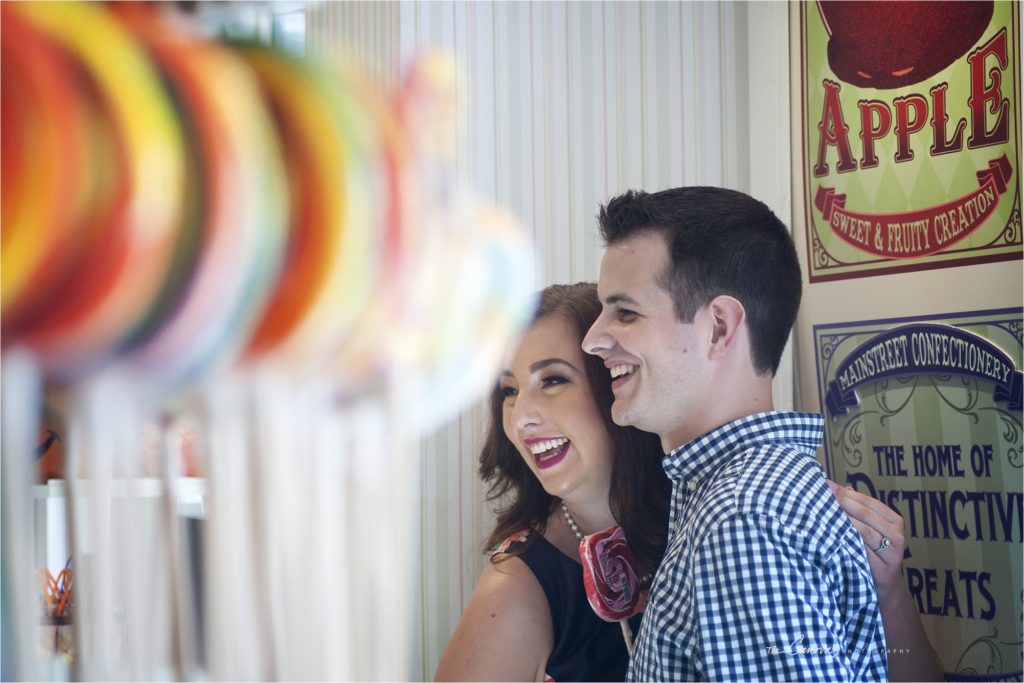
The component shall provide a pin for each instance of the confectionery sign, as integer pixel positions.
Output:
(924, 414)
(911, 127)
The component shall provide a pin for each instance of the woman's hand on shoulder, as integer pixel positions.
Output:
(910, 654)
(875, 520)
(505, 633)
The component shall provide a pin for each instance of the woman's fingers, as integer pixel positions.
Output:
(886, 564)
(870, 511)
(880, 527)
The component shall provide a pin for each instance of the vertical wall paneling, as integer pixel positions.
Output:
(612, 99)
(629, 135)
(466, 111)
(564, 105)
(557, 152)
(523, 135)
(483, 114)
(710, 87)
(533, 39)
(669, 102)
(737, 102)
(575, 93)
(654, 64)
(689, 67)
(766, 140)
(595, 119)
(499, 55)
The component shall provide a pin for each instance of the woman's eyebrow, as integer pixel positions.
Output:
(541, 364)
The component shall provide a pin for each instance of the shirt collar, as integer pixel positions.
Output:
(693, 461)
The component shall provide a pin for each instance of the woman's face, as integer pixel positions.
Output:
(550, 415)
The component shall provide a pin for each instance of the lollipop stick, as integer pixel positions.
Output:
(627, 635)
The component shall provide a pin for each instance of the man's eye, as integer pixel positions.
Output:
(626, 315)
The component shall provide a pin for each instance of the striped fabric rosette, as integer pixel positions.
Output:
(614, 588)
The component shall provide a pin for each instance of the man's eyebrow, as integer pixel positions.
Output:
(620, 299)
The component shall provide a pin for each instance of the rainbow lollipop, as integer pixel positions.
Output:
(129, 237)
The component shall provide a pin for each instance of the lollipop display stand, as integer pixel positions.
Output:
(264, 248)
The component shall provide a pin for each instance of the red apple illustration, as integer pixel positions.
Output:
(885, 44)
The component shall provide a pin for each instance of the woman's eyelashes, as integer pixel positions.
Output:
(553, 381)
(508, 391)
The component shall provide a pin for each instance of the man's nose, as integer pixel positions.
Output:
(597, 342)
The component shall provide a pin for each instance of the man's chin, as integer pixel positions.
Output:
(631, 416)
(622, 415)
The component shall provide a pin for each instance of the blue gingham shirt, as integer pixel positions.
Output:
(764, 577)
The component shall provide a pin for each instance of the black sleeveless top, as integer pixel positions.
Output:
(587, 648)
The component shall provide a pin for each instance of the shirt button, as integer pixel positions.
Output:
(692, 485)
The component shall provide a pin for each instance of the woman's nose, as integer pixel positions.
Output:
(526, 413)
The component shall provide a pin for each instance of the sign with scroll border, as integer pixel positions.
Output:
(924, 413)
(958, 206)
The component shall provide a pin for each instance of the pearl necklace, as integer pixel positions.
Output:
(571, 522)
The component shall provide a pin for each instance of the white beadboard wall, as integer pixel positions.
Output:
(567, 104)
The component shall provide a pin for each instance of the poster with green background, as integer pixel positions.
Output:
(924, 414)
(911, 127)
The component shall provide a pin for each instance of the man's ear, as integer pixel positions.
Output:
(727, 318)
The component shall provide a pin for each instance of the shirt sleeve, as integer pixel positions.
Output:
(765, 610)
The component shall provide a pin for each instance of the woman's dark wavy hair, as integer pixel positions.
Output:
(639, 495)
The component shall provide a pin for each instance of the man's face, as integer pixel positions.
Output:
(657, 364)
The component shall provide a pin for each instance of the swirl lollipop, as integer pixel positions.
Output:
(614, 589)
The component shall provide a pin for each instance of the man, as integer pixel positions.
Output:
(764, 578)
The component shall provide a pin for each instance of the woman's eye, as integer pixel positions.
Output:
(507, 392)
(553, 380)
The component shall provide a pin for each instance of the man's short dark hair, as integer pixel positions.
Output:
(720, 242)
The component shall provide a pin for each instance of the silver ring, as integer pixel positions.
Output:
(883, 545)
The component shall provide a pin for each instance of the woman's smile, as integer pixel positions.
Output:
(548, 452)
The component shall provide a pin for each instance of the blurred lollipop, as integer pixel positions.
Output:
(231, 249)
(468, 309)
(43, 136)
(331, 259)
(361, 359)
(429, 106)
(471, 284)
(129, 235)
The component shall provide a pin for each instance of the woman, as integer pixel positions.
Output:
(551, 394)
(561, 469)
